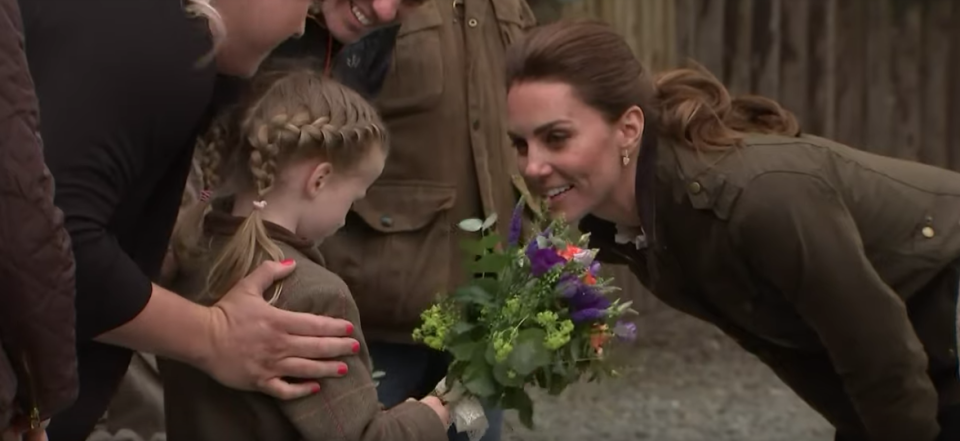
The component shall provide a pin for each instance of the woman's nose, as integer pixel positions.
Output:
(386, 10)
(534, 168)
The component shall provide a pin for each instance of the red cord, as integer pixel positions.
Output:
(326, 64)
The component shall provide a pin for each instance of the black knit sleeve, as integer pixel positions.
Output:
(118, 87)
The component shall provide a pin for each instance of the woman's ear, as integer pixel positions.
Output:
(631, 129)
(317, 178)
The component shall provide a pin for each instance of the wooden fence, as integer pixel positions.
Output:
(880, 75)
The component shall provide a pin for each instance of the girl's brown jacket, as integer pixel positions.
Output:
(200, 409)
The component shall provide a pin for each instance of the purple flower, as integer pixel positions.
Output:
(542, 259)
(584, 301)
(586, 315)
(625, 331)
(595, 268)
(516, 224)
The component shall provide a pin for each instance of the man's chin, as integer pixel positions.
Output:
(344, 34)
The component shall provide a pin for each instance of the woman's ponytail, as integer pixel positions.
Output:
(696, 108)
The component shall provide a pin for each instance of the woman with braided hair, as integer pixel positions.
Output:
(125, 88)
(298, 153)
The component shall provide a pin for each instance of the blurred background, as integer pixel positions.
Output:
(879, 75)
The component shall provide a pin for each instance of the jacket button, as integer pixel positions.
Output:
(695, 187)
(472, 22)
(386, 221)
(928, 232)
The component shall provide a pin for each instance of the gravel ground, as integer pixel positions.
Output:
(685, 381)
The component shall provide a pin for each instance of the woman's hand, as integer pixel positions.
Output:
(254, 345)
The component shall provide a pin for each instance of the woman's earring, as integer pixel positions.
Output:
(625, 157)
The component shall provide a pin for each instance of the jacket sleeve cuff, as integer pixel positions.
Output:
(423, 420)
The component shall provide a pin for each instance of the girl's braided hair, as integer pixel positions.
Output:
(290, 112)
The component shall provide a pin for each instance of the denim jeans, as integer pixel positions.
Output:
(412, 372)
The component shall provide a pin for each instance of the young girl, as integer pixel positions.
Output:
(302, 149)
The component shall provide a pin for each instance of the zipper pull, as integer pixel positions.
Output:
(35, 418)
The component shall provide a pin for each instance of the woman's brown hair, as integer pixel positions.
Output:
(290, 112)
(688, 105)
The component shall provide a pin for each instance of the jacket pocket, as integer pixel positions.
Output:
(394, 253)
(514, 19)
(416, 78)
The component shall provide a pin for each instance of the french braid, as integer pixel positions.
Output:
(290, 114)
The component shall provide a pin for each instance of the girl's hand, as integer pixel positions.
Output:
(254, 345)
(438, 407)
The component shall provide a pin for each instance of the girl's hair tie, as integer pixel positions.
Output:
(205, 196)
(259, 205)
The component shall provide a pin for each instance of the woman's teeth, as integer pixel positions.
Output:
(557, 191)
(363, 19)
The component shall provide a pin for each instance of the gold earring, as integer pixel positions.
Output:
(625, 157)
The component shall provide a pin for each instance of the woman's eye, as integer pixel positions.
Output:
(555, 138)
(520, 145)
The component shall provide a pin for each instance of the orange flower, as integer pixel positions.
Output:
(599, 337)
(589, 279)
(569, 252)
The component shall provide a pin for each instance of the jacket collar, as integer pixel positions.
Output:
(361, 66)
(220, 223)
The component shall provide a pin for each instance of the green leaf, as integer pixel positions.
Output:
(471, 225)
(501, 372)
(490, 355)
(489, 264)
(529, 353)
(490, 241)
(472, 294)
(465, 351)
(488, 284)
(488, 222)
(473, 248)
(456, 369)
(461, 328)
(478, 379)
(517, 398)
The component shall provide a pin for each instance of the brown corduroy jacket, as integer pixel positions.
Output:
(444, 102)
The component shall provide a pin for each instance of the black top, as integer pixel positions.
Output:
(122, 102)
(121, 105)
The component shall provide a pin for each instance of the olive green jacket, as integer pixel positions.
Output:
(834, 266)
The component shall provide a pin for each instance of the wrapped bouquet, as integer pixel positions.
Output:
(538, 314)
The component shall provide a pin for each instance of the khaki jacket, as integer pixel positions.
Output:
(198, 408)
(450, 159)
(836, 267)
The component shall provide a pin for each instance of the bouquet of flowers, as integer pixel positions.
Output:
(537, 314)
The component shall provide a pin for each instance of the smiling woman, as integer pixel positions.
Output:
(837, 268)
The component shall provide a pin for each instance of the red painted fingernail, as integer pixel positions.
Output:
(315, 389)
(286, 262)
(342, 370)
(349, 328)
(356, 347)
